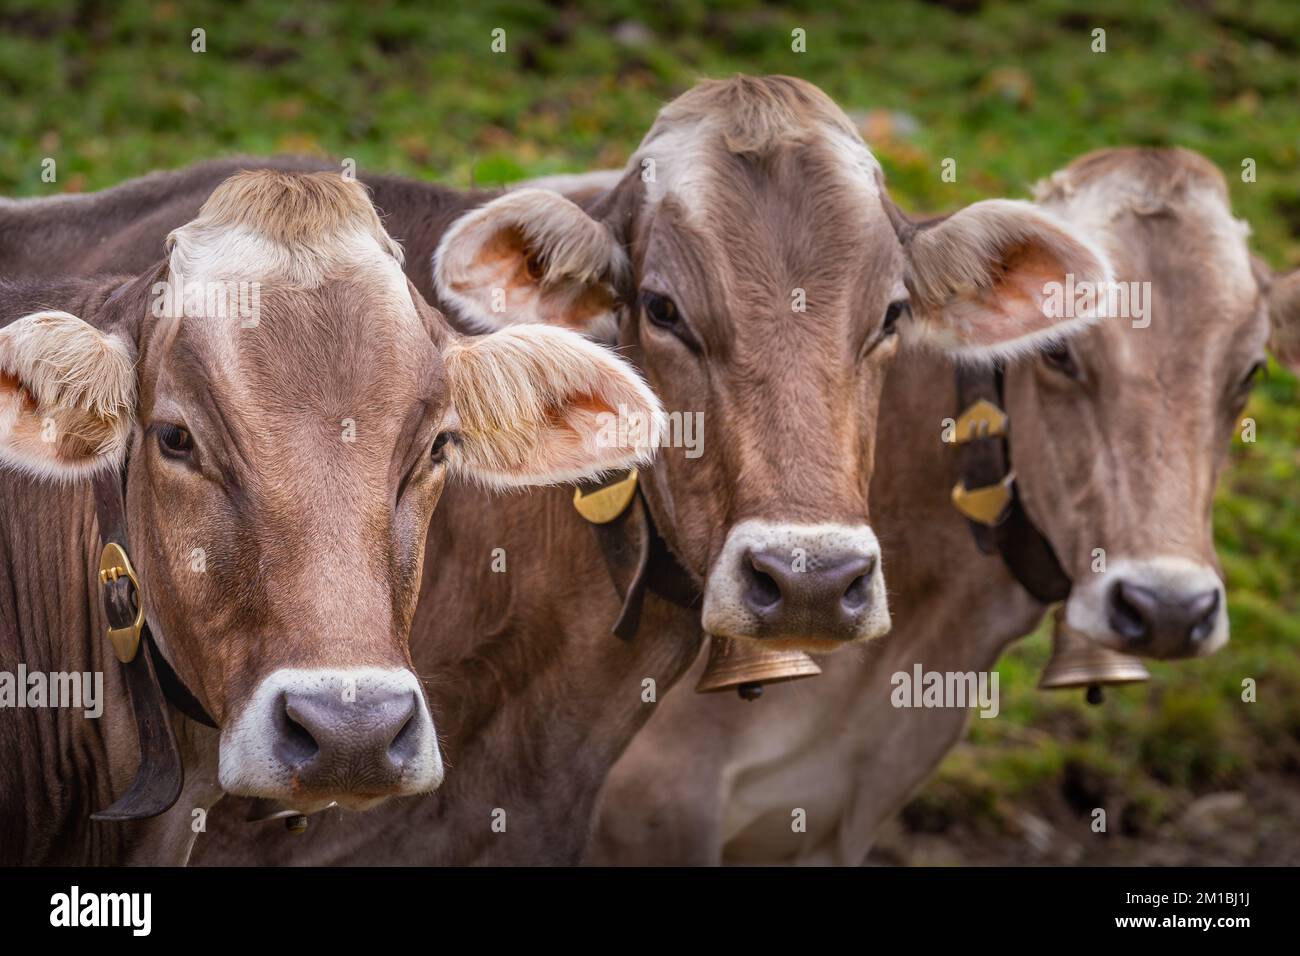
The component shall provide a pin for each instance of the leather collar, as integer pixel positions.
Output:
(638, 559)
(984, 465)
(149, 679)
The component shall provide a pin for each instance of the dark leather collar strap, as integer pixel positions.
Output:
(985, 462)
(174, 688)
(161, 774)
(158, 781)
(638, 559)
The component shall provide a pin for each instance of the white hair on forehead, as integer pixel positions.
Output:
(201, 251)
(867, 173)
(745, 116)
(1095, 191)
(296, 228)
(677, 163)
(682, 163)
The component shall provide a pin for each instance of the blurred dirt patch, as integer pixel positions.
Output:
(1255, 825)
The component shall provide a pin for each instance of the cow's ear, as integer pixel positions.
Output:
(1284, 319)
(992, 279)
(532, 256)
(67, 396)
(539, 405)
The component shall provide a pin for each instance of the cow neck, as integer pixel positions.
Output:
(150, 680)
(639, 560)
(984, 461)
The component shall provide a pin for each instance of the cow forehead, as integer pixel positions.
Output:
(695, 164)
(1164, 217)
(350, 349)
(806, 214)
(246, 275)
(1191, 270)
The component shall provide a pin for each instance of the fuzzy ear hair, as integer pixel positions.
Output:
(1284, 319)
(532, 256)
(67, 396)
(540, 405)
(981, 279)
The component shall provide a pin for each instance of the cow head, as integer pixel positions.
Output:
(750, 261)
(1119, 436)
(286, 410)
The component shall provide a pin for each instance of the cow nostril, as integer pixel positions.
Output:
(294, 744)
(858, 594)
(1204, 615)
(406, 743)
(1129, 612)
(761, 590)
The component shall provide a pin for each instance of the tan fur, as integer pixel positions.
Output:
(496, 246)
(754, 115)
(270, 225)
(977, 277)
(760, 186)
(55, 367)
(307, 463)
(302, 209)
(1125, 459)
(701, 139)
(1141, 179)
(1099, 189)
(529, 406)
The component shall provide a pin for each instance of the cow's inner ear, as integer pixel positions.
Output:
(540, 405)
(986, 281)
(67, 396)
(531, 256)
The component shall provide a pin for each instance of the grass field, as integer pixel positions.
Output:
(1010, 90)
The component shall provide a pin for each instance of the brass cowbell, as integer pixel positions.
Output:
(746, 666)
(1077, 661)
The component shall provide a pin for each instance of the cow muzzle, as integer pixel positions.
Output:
(810, 587)
(316, 737)
(1166, 607)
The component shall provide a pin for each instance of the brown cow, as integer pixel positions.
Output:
(1117, 441)
(721, 262)
(281, 465)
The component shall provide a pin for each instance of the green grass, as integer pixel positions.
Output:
(1010, 90)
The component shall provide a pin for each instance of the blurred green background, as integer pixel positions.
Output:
(1010, 90)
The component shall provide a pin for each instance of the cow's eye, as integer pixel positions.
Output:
(1248, 383)
(438, 453)
(174, 441)
(1059, 358)
(660, 310)
(893, 314)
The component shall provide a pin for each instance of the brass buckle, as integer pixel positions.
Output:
(114, 564)
(983, 419)
(605, 504)
(985, 505)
